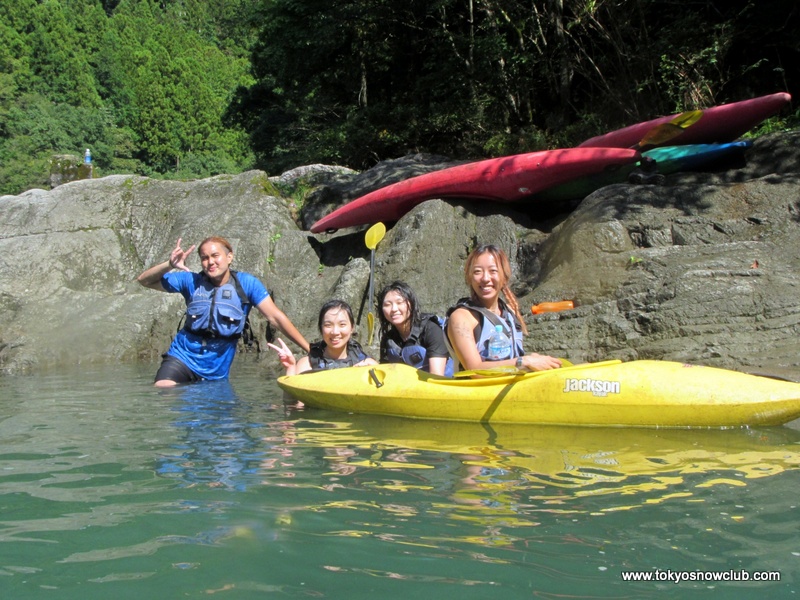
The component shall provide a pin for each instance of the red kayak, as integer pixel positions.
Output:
(505, 179)
(719, 124)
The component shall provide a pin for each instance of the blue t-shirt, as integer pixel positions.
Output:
(210, 358)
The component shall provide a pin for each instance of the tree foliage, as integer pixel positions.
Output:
(356, 81)
(143, 84)
(191, 88)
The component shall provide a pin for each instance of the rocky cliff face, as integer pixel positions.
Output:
(703, 269)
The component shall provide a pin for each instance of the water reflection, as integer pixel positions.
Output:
(511, 477)
(216, 448)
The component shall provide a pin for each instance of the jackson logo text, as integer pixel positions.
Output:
(597, 387)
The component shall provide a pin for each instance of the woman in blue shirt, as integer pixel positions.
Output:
(218, 301)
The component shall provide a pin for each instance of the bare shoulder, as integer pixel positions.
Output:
(303, 365)
(462, 322)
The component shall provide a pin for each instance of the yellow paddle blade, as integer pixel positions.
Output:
(375, 235)
(685, 119)
(663, 133)
(660, 135)
(372, 239)
(370, 326)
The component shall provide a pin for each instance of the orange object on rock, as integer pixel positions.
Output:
(544, 307)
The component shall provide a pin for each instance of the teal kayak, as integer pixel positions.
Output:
(667, 160)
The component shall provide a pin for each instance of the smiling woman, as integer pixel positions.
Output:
(409, 337)
(336, 350)
(218, 301)
(473, 320)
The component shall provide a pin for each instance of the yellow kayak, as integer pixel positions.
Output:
(640, 393)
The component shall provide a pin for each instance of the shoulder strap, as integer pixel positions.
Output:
(239, 289)
(490, 316)
(315, 353)
(416, 329)
(355, 351)
(248, 335)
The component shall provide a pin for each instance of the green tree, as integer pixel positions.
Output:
(61, 71)
(353, 81)
(145, 84)
(356, 81)
(14, 71)
(171, 87)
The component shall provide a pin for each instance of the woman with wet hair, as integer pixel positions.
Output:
(408, 336)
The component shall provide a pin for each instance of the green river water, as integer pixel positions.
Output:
(112, 489)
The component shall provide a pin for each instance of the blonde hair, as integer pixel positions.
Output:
(216, 240)
(501, 258)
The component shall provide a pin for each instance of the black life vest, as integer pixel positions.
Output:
(412, 353)
(318, 360)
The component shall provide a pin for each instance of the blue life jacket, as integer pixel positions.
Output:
(486, 328)
(218, 312)
(413, 354)
(318, 360)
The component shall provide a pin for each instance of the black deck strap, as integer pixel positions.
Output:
(374, 378)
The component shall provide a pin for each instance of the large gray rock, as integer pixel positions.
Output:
(71, 255)
(702, 269)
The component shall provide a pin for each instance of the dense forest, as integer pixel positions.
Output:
(192, 88)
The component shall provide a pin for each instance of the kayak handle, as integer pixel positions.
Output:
(374, 377)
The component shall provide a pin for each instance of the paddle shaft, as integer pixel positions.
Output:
(371, 277)
(504, 371)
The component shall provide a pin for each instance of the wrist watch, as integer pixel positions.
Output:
(519, 362)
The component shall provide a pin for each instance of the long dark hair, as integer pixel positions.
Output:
(405, 291)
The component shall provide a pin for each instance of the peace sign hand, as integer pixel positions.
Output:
(284, 354)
